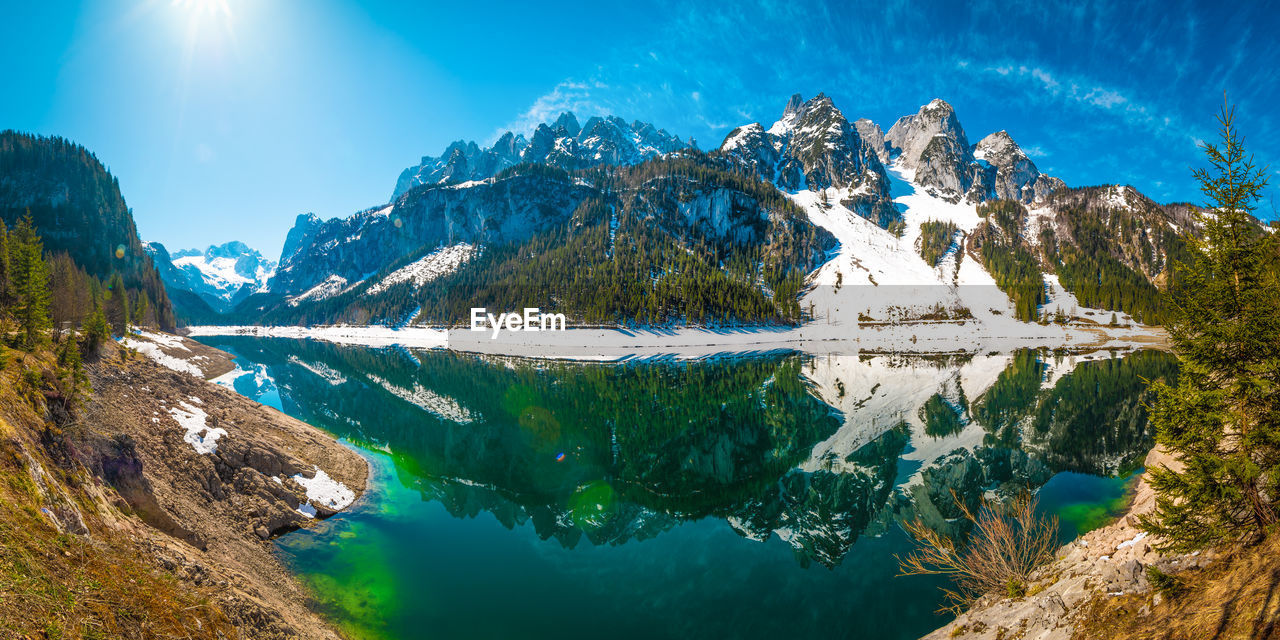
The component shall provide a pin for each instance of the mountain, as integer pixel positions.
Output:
(78, 210)
(804, 219)
(813, 146)
(933, 146)
(564, 143)
(681, 238)
(304, 227)
(221, 276)
(507, 208)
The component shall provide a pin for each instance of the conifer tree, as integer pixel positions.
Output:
(141, 305)
(71, 374)
(117, 306)
(30, 282)
(1222, 420)
(95, 329)
(5, 270)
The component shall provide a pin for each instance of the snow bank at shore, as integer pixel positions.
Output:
(613, 344)
(370, 336)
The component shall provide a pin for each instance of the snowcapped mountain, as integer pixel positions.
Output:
(221, 276)
(564, 143)
(932, 144)
(849, 222)
(984, 209)
(491, 211)
(813, 146)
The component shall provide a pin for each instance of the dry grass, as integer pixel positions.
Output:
(59, 586)
(1005, 544)
(1237, 598)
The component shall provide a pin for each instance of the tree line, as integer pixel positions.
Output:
(48, 297)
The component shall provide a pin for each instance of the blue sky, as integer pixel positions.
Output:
(224, 119)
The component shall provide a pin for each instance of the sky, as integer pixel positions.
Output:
(225, 119)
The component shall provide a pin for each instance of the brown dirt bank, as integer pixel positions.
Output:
(122, 490)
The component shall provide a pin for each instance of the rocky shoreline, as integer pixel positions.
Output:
(1108, 562)
(214, 476)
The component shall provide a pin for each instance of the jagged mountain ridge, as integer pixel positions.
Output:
(687, 207)
(221, 275)
(812, 148)
(498, 210)
(933, 145)
(608, 140)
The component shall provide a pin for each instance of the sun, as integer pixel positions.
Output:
(205, 7)
(205, 22)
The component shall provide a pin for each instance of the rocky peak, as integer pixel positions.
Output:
(754, 149)
(872, 138)
(304, 227)
(813, 146)
(509, 145)
(542, 145)
(998, 145)
(568, 123)
(932, 144)
(911, 135)
(793, 105)
(233, 249)
(563, 143)
(1007, 172)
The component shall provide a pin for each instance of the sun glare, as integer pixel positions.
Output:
(205, 7)
(207, 22)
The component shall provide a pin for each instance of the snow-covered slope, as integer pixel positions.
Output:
(877, 276)
(439, 262)
(221, 275)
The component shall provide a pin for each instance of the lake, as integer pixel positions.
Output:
(746, 497)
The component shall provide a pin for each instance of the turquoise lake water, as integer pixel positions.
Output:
(754, 497)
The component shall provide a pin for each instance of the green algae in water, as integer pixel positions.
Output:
(1084, 503)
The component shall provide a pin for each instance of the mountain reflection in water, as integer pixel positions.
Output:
(817, 451)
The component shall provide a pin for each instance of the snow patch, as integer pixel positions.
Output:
(442, 261)
(1135, 540)
(332, 286)
(324, 490)
(152, 351)
(200, 436)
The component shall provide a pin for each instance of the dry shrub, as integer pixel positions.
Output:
(1006, 542)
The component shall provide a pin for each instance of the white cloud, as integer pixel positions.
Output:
(570, 95)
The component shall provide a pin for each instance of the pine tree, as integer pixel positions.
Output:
(71, 374)
(1222, 420)
(117, 306)
(5, 270)
(30, 282)
(140, 307)
(95, 329)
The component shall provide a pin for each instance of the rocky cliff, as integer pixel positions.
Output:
(813, 146)
(932, 144)
(564, 143)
